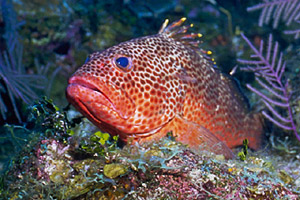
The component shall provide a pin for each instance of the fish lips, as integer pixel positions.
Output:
(95, 99)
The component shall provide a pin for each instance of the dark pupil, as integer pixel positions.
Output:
(122, 61)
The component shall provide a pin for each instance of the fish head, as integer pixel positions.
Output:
(130, 89)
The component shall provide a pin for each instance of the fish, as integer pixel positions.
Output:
(146, 87)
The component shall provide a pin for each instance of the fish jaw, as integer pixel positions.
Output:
(99, 101)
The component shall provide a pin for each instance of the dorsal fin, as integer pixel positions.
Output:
(179, 33)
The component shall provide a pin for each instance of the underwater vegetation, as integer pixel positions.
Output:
(52, 167)
(16, 84)
(269, 65)
(271, 71)
(286, 11)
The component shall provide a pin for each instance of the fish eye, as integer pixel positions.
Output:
(123, 63)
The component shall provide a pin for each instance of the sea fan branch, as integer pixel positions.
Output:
(293, 32)
(277, 123)
(266, 98)
(274, 112)
(275, 9)
(287, 11)
(270, 68)
(15, 83)
(265, 86)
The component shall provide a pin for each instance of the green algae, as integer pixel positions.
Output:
(99, 143)
(114, 170)
(243, 154)
(135, 171)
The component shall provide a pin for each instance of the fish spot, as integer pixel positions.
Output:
(145, 113)
(113, 79)
(146, 104)
(137, 121)
(149, 82)
(140, 101)
(131, 92)
(147, 87)
(153, 100)
(143, 82)
(153, 79)
(146, 95)
(152, 92)
(140, 109)
(145, 120)
(128, 85)
(142, 127)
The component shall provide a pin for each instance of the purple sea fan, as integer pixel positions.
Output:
(268, 70)
(15, 83)
(287, 11)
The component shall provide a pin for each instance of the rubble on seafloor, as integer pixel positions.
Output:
(53, 169)
(63, 160)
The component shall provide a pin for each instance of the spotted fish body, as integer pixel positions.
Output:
(149, 86)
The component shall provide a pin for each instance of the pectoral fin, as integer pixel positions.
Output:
(197, 137)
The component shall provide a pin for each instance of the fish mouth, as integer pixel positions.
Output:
(94, 98)
(91, 88)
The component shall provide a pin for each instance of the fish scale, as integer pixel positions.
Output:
(164, 83)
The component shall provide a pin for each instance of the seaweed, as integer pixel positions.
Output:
(269, 65)
(268, 70)
(287, 11)
(15, 83)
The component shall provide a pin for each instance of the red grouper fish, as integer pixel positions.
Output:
(146, 87)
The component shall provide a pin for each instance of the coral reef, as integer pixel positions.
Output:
(165, 170)
(52, 167)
